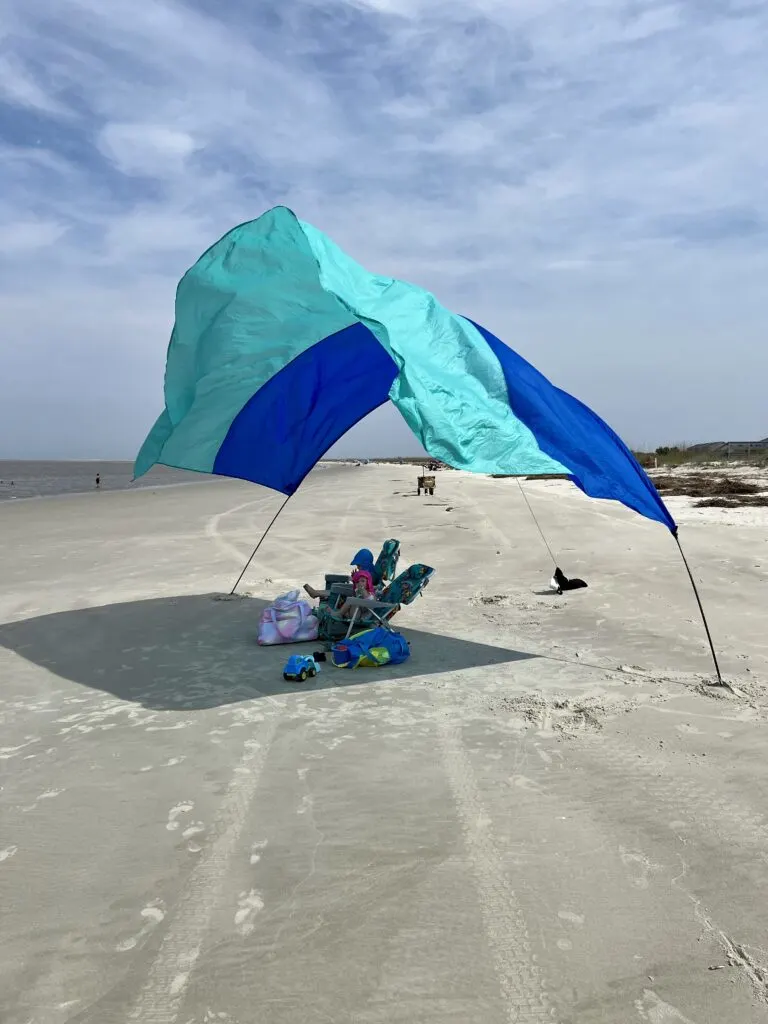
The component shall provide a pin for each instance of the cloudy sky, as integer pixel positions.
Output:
(587, 178)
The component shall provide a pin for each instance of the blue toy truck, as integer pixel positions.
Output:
(299, 668)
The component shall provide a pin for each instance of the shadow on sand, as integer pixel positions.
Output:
(194, 652)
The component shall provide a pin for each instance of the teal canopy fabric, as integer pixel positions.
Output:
(282, 343)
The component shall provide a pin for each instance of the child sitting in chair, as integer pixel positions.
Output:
(362, 581)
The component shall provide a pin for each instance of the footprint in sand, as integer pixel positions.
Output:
(256, 849)
(7, 853)
(334, 743)
(175, 812)
(6, 753)
(568, 915)
(306, 804)
(248, 906)
(656, 1011)
(194, 830)
(523, 782)
(49, 794)
(170, 763)
(640, 866)
(152, 914)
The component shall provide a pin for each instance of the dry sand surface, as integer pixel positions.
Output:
(542, 816)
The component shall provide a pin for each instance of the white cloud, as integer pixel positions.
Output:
(155, 230)
(146, 149)
(21, 236)
(19, 87)
(586, 177)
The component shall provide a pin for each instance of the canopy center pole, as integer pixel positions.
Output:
(261, 541)
(720, 681)
(538, 525)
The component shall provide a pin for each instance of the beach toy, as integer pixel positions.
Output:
(299, 668)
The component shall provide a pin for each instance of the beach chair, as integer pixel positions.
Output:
(385, 568)
(375, 611)
(338, 587)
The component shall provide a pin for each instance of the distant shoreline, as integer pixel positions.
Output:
(93, 491)
(35, 479)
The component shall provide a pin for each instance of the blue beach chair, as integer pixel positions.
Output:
(375, 611)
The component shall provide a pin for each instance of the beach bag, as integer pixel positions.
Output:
(371, 649)
(288, 620)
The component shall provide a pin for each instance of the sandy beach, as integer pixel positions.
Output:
(547, 814)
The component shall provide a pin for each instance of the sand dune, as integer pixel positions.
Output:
(545, 815)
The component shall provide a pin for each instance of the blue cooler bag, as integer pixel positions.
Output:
(371, 649)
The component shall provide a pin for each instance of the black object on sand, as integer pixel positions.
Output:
(560, 582)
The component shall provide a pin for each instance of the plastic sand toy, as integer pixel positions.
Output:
(299, 668)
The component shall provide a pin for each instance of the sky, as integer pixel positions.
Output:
(586, 178)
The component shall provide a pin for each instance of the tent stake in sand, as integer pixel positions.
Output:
(720, 681)
(261, 541)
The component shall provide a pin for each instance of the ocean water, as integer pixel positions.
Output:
(45, 479)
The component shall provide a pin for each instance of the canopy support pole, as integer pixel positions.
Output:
(538, 525)
(720, 681)
(261, 541)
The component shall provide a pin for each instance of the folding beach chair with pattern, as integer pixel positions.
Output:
(376, 611)
(385, 567)
(338, 587)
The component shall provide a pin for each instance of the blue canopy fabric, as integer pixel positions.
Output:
(282, 343)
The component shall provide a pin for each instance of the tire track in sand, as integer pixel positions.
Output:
(163, 993)
(703, 809)
(519, 976)
(213, 533)
(283, 549)
(689, 809)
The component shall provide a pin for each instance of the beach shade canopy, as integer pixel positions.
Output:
(282, 343)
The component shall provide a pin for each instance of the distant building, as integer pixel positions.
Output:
(730, 447)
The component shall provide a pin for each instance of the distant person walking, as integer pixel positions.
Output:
(98, 481)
